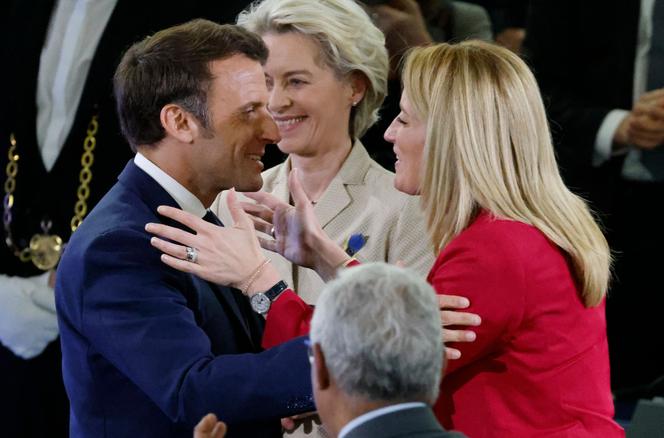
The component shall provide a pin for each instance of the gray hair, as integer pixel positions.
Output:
(348, 39)
(380, 330)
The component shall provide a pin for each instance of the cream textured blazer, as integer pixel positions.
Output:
(361, 199)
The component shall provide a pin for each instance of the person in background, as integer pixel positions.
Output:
(376, 354)
(472, 138)
(61, 151)
(508, 19)
(326, 74)
(603, 78)
(411, 23)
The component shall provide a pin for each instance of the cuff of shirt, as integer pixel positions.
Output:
(604, 139)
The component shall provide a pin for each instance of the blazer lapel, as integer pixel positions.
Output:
(280, 186)
(334, 201)
(154, 196)
(336, 198)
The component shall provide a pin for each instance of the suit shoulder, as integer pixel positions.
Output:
(381, 183)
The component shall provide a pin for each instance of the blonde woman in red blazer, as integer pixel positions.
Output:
(472, 138)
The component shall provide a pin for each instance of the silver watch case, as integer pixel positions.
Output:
(260, 303)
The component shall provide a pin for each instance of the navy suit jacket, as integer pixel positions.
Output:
(147, 350)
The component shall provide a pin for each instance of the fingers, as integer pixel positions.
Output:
(654, 110)
(458, 335)
(262, 226)
(267, 199)
(219, 430)
(172, 249)
(453, 317)
(171, 233)
(452, 353)
(645, 142)
(181, 265)
(288, 423)
(210, 427)
(257, 210)
(183, 217)
(206, 424)
(644, 134)
(648, 125)
(280, 221)
(240, 218)
(653, 96)
(452, 302)
(268, 244)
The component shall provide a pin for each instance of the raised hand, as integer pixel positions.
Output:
(297, 234)
(225, 255)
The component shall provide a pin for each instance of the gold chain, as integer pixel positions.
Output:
(8, 201)
(85, 176)
(32, 252)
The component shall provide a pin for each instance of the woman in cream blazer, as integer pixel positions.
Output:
(327, 77)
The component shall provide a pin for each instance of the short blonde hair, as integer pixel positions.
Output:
(349, 43)
(488, 146)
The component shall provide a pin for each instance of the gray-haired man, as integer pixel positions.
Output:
(377, 355)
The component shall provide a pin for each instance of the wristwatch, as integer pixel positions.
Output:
(262, 301)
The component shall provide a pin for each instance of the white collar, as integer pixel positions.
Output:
(184, 198)
(364, 418)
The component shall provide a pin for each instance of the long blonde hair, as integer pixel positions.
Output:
(488, 146)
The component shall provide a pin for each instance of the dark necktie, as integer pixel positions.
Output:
(653, 160)
(212, 218)
(241, 301)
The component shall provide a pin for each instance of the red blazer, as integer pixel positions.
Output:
(540, 364)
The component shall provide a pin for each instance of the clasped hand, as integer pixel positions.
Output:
(226, 255)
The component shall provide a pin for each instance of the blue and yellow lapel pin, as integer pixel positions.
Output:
(355, 243)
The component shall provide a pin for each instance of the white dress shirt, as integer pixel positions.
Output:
(607, 130)
(184, 198)
(71, 41)
(377, 413)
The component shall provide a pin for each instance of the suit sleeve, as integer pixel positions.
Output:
(133, 312)
(482, 271)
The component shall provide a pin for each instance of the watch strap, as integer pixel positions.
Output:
(276, 290)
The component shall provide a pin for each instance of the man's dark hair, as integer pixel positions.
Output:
(173, 66)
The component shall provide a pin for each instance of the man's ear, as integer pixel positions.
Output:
(320, 369)
(179, 123)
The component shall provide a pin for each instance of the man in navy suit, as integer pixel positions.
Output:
(147, 350)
